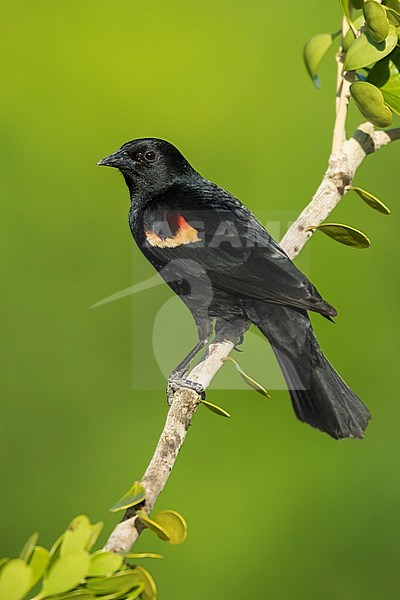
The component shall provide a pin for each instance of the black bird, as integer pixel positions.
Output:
(226, 268)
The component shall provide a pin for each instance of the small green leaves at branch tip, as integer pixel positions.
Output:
(371, 103)
(68, 572)
(314, 51)
(249, 380)
(134, 496)
(344, 234)
(215, 409)
(365, 51)
(376, 20)
(371, 200)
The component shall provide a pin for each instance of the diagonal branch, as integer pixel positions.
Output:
(335, 183)
(342, 167)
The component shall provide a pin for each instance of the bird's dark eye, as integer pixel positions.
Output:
(150, 155)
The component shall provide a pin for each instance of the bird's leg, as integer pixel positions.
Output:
(177, 378)
(181, 370)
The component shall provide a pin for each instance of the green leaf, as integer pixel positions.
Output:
(394, 5)
(55, 551)
(15, 580)
(27, 550)
(135, 495)
(38, 563)
(344, 234)
(77, 595)
(174, 524)
(57, 544)
(104, 563)
(350, 36)
(136, 593)
(392, 100)
(66, 573)
(249, 380)
(358, 4)
(77, 535)
(97, 528)
(216, 409)
(121, 583)
(386, 76)
(153, 526)
(314, 51)
(376, 20)
(344, 5)
(150, 589)
(371, 200)
(364, 51)
(371, 103)
(138, 555)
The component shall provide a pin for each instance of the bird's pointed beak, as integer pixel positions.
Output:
(117, 160)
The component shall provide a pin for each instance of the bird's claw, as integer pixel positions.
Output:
(174, 383)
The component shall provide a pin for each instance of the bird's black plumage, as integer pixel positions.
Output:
(226, 267)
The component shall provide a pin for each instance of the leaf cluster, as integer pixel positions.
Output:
(70, 570)
(369, 53)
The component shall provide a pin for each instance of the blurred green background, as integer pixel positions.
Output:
(275, 509)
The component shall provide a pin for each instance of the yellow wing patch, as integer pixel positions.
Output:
(183, 234)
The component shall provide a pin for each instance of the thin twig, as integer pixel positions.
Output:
(184, 402)
(343, 83)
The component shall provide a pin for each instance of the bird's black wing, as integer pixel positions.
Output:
(214, 232)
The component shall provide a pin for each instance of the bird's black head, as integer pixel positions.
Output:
(149, 165)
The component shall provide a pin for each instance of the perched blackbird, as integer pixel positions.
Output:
(225, 266)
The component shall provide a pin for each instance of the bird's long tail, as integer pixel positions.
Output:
(319, 395)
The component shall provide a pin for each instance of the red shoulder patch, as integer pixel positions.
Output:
(181, 233)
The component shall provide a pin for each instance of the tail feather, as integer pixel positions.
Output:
(319, 395)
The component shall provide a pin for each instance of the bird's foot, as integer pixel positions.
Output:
(178, 381)
(239, 343)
